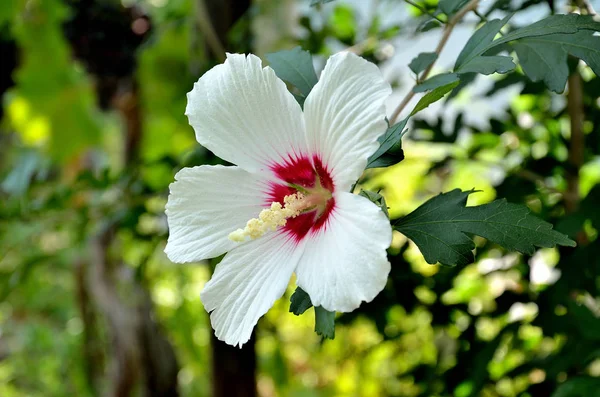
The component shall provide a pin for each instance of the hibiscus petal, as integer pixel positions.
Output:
(345, 115)
(244, 114)
(205, 205)
(247, 283)
(345, 262)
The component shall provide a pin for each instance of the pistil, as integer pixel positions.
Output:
(306, 200)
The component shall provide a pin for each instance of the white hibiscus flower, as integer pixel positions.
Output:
(286, 206)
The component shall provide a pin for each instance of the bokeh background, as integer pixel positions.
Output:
(92, 132)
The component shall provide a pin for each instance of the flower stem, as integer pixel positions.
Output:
(456, 18)
(425, 11)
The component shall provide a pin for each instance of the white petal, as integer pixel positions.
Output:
(244, 114)
(246, 284)
(345, 115)
(205, 205)
(345, 262)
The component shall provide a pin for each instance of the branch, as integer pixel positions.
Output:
(424, 11)
(456, 18)
(208, 30)
(577, 141)
(587, 6)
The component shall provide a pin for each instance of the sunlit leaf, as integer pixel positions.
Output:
(343, 22)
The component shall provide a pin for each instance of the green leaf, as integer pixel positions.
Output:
(386, 160)
(8, 11)
(324, 319)
(422, 62)
(449, 7)
(376, 199)
(436, 81)
(488, 65)
(58, 99)
(390, 142)
(544, 58)
(429, 25)
(324, 323)
(294, 66)
(581, 386)
(299, 302)
(542, 48)
(315, 2)
(483, 39)
(343, 23)
(439, 228)
(433, 96)
(569, 23)
(479, 41)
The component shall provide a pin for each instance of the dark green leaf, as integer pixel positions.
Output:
(479, 41)
(465, 80)
(488, 65)
(587, 321)
(436, 81)
(299, 302)
(386, 160)
(294, 66)
(438, 228)
(542, 48)
(570, 23)
(422, 62)
(390, 142)
(300, 99)
(376, 199)
(315, 2)
(324, 323)
(433, 96)
(544, 58)
(429, 25)
(449, 7)
(581, 386)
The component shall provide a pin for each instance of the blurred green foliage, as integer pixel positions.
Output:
(507, 325)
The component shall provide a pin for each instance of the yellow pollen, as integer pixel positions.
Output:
(271, 218)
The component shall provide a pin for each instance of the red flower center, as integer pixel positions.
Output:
(309, 178)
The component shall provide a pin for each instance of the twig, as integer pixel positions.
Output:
(208, 30)
(424, 11)
(471, 5)
(360, 47)
(587, 6)
(482, 17)
(577, 141)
